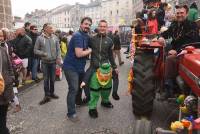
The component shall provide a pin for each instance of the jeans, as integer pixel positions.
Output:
(72, 78)
(35, 62)
(3, 118)
(49, 72)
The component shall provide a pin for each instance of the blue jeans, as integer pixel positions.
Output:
(49, 72)
(34, 68)
(73, 79)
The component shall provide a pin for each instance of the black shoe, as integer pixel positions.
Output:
(93, 113)
(107, 104)
(126, 52)
(115, 96)
(53, 96)
(46, 99)
(121, 63)
(37, 80)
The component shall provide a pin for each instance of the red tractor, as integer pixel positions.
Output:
(148, 76)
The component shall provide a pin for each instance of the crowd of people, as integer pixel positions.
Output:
(26, 51)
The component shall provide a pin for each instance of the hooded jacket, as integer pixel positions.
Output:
(48, 48)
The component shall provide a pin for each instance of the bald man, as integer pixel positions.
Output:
(22, 45)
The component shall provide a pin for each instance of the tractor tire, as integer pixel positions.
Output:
(142, 127)
(143, 92)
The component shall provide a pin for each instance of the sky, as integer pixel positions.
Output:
(21, 7)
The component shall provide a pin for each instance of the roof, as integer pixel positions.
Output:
(93, 4)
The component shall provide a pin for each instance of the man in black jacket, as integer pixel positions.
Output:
(22, 45)
(182, 32)
(102, 52)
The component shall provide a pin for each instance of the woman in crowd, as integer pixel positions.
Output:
(7, 95)
(152, 22)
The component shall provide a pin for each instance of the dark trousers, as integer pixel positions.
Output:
(74, 92)
(171, 72)
(3, 116)
(49, 70)
(80, 91)
(92, 70)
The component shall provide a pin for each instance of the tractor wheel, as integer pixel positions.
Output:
(144, 84)
(142, 127)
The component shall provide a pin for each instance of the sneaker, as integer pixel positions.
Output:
(74, 118)
(53, 96)
(121, 63)
(107, 104)
(45, 100)
(93, 113)
(115, 96)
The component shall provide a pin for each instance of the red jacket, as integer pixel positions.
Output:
(152, 26)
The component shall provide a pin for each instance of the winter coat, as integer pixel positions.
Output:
(117, 43)
(8, 76)
(161, 17)
(22, 46)
(152, 26)
(182, 34)
(48, 48)
(33, 36)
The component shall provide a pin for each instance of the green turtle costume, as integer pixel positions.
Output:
(100, 85)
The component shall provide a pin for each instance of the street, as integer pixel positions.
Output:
(51, 117)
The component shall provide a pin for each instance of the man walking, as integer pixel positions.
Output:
(48, 48)
(74, 65)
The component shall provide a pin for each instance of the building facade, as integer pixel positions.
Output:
(93, 10)
(67, 17)
(6, 19)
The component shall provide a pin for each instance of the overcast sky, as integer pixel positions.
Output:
(21, 7)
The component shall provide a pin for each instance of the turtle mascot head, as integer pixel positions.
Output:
(104, 74)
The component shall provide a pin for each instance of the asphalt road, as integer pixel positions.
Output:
(51, 117)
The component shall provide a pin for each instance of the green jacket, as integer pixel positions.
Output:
(193, 14)
(102, 51)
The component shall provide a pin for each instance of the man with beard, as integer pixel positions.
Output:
(102, 52)
(74, 65)
(182, 31)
